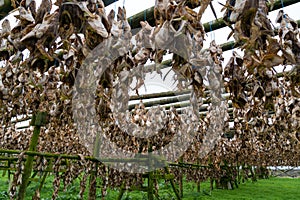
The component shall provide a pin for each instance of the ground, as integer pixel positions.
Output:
(273, 188)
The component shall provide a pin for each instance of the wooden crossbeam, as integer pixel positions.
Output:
(134, 20)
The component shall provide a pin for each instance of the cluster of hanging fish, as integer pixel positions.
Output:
(57, 45)
(265, 112)
(265, 102)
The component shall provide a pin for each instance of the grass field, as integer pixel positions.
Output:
(273, 188)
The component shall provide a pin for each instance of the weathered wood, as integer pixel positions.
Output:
(225, 47)
(72, 157)
(150, 186)
(93, 183)
(181, 181)
(198, 186)
(148, 15)
(38, 120)
(175, 190)
(45, 174)
(121, 193)
(163, 101)
(159, 95)
(177, 99)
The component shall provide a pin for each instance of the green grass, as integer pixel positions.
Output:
(273, 188)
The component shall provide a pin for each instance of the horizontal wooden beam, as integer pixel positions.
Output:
(148, 15)
(225, 47)
(72, 157)
(159, 95)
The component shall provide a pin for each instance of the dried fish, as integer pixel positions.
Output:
(25, 16)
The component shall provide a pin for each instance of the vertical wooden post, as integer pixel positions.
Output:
(181, 181)
(150, 186)
(173, 184)
(150, 174)
(122, 190)
(198, 186)
(121, 194)
(198, 182)
(211, 184)
(211, 179)
(93, 183)
(237, 178)
(93, 176)
(49, 167)
(9, 173)
(253, 174)
(38, 120)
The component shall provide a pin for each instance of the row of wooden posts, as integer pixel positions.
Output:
(40, 119)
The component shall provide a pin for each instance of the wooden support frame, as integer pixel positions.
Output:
(41, 121)
(134, 20)
(38, 120)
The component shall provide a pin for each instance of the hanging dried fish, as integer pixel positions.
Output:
(95, 32)
(5, 31)
(42, 35)
(24, 16)
(43, 10)
(204, 5)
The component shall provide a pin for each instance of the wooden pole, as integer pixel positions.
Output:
(73, 157)
(93, 183)
(122, 190)
(198, 181)
(177, 193)
(38, 120)
(159, 95)
(225, 47)
(148, 15)
(44, 176)
(150, 186)
(181, 180)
